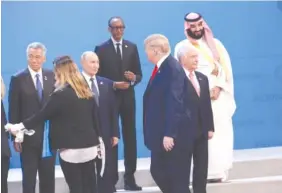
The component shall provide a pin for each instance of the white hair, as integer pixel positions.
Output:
(36, 45)
(183, 49)
(87, 53)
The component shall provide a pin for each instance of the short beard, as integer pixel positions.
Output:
(193, 35)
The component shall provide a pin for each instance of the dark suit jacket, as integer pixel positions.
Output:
(74, 121)
(164, 110)
(109, 62)
(5, 149)
(108, 115)
(200, 107)
(24, 101)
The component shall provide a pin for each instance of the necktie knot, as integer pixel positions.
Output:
(37, 75)
(191, 75)
(117, 44)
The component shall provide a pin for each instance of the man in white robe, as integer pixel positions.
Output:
(215, 63)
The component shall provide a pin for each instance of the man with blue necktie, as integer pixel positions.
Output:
(29, 91)
(108, 117)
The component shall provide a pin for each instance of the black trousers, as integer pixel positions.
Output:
(200, 164)
(105, 182)
(171, 170)
(5, 163)
(126, 107)
(80, 177)
(31, 162)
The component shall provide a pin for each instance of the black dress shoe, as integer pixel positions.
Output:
(132, 187)
(114, 189)
(214, 181)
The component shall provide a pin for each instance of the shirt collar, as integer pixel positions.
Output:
(187, 72)
(115, 42)
(87, 77)
(162, 60)
(33, 73)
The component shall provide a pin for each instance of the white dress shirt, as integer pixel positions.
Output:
(84, 154)
(162, 60)
(87, 78)
(33, 76)
(115, 45)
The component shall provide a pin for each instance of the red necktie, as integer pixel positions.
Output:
(154, 73)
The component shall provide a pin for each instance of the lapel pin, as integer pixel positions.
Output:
(126, 46)
(45, 77)
(101, 83)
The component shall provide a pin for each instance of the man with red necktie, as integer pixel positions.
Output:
(165, 118)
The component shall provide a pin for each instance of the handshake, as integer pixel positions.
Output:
(18, 131)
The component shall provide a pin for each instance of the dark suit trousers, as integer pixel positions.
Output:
(105, 182)
(32, 162)
(200, 163)
(126, 107)
(5, 163)
(171, 170)
(80, 177)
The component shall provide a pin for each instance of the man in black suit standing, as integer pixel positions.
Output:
(5, 148)
(198, 99)
(119, 61)
(108, 117)
(29, 90)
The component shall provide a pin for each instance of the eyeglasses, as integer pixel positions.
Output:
(117, 27)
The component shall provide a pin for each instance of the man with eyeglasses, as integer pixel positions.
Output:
(29, 91)
(119, 61)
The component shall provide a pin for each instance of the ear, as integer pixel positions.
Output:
(110, 29)
(44, 59)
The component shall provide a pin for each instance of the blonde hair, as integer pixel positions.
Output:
(2, 88)
(67, 72)
(158, 41)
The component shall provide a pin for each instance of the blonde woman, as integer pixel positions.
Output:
(72, 113)
(5, 149)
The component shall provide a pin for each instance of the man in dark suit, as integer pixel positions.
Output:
(119, 61)
(29, 90)
(108, 117)
(198, 93)
(5, 149)
(167, 118)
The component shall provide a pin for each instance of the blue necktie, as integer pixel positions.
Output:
(46, 148)
(39, 87)
(95, 91)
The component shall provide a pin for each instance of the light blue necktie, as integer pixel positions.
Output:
(46, 152)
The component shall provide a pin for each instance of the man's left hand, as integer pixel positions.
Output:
(130, 76)
(210, 134)
(114, 141)
(168, 143)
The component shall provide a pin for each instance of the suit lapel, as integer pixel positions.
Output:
(29, 85)
(47, 85)
(151, 83)
(200, 80)
(125, 55)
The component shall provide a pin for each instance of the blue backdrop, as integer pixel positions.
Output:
(251, 31)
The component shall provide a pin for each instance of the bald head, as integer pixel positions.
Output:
(188, 57)
(90, 63)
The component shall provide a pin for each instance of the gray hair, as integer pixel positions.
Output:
(158, 41)
(184, 49)
(36, 45)
(87, 53)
